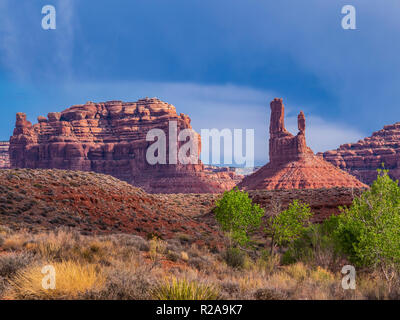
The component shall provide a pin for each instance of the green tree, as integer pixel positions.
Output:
(369, 231)
(288, 225)
(238, 216)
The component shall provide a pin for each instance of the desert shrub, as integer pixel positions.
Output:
(128, 240)
(315, 246)
(4, 230)
(374, 286)
(185, 238)
(230, 290)
(195, 251)
(57, 245)
(144, 247)
(291, 255)
(197, 263)
(270, 294)
(72, 281)
(267, 263)
(124, 285)
(184, 289)
(297, 271)
(3, 286)
(173, 256)
(94, 251)
(289, 225)
(321, 275)
(66, 245)
(234, 257)
(156, 247)
(11, 263)
(15, 242)
(368, 231)
(174, 245)
(238, 216)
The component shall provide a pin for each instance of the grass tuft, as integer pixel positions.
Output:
(72, 280)
(184, 289)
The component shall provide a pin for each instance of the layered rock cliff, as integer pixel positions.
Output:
(363, 158)
(110, 138)
(293, 164)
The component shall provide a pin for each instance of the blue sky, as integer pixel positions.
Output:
(219, 61)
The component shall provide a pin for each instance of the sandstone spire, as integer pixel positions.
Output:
(301, 122)
(293, 164)
(283, 146)
(277, 123)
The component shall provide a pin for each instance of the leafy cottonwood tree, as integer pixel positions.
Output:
(238, 216)
(288, 225)
(369, 231)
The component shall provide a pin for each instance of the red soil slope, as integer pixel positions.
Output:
(92, 203)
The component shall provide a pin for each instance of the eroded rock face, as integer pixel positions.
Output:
(363, 158)
(293, 164)
(110, 138)
(4, 155)
(323, 202)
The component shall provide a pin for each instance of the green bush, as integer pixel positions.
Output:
(238, 216)
(315, 245)
(368, 231)
(289, 225)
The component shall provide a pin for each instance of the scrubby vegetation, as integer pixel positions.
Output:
(130, 267)
(288, 225)
(305, 262)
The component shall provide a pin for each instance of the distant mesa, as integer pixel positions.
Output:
(110, 138)
(362, 159)
(293, 164)
(4, 155)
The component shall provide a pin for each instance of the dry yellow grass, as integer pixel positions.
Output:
(184, 256)
(129, 267)
(322, 275)
(15, 241)
(72, 279)
(298, 271)
(184, 289)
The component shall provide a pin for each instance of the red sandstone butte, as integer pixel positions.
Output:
(293, 164)
(110, 138)
(363, 158)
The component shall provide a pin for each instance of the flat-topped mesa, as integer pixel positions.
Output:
(363, 158)
(283, 146)
(110, 137)
(292, 164)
